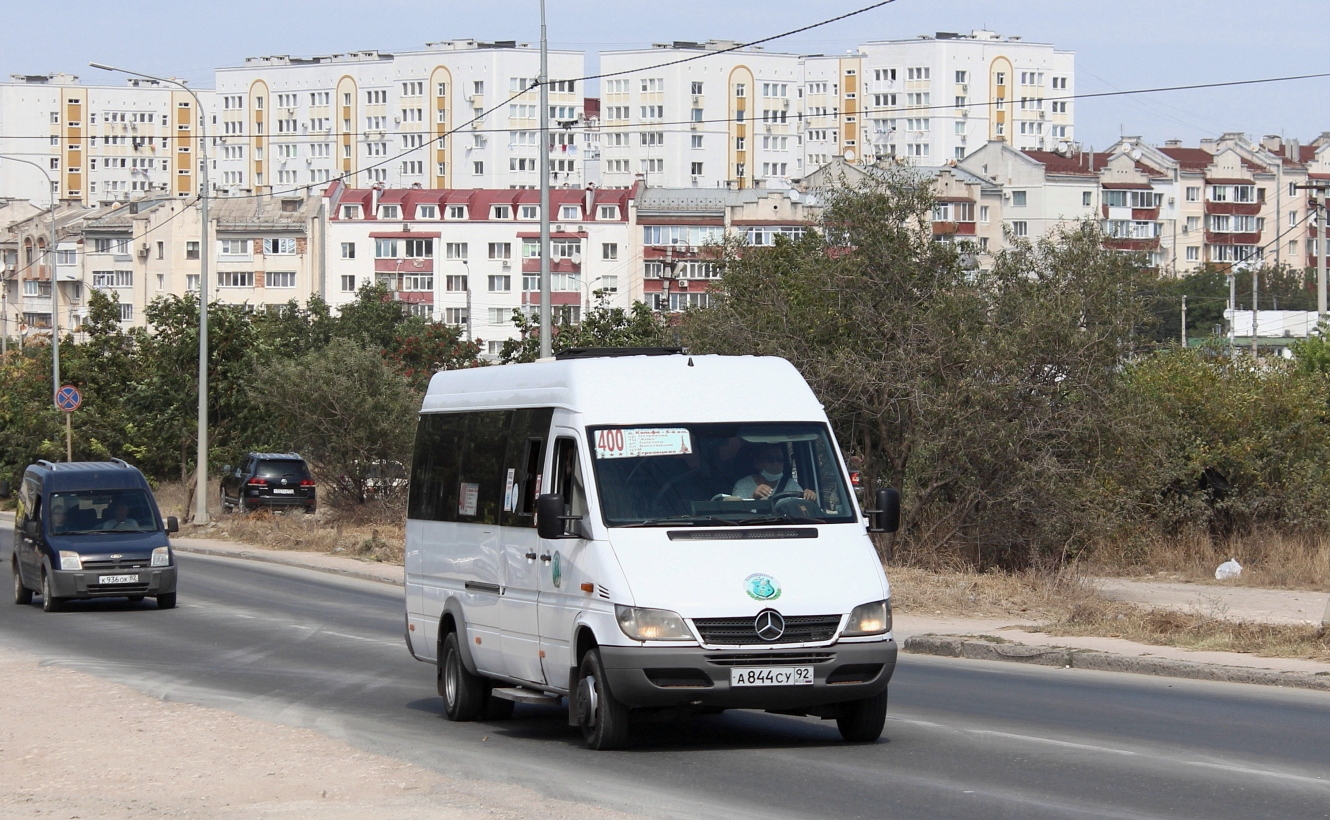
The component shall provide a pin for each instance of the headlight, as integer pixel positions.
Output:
(869, 619)
(161, 557)
(70, 560)
(651, 624)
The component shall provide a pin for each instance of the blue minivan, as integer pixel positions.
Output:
(91, 529)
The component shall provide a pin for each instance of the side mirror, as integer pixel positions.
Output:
(30, 528)
(887, 516)
(172, 524)
(550, 520)
(4, 489)
(226, 469)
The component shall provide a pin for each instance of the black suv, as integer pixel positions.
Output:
(268, 480)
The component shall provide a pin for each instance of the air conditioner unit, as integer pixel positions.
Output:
(1186, 229)
(143, 251)
(697, 100)
(506, 265)
(786, 102)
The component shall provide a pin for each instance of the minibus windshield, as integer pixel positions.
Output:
(85, 512)
(666, 475)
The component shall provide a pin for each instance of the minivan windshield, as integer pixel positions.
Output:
(84, 512)
(756, 474)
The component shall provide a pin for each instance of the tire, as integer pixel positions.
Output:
(22, 595)
(50, 603)
(166, 600)
(861, 721)
(464, 694)
(226, 505)
(602, 719)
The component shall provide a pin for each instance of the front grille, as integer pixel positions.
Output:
(769, 658)
(104, 564)
(739, 631)
(123, 589)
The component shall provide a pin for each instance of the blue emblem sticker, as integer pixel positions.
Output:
(556, 571)
(761, 587)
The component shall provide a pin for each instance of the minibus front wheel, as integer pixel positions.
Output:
(463, 693)
(601, 717)
(861, 721)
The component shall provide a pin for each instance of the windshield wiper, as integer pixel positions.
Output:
(690, 520)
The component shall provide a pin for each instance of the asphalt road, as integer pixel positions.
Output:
(963, 739)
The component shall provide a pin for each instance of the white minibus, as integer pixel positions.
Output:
(643, 531)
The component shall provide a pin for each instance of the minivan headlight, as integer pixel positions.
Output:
(161, 557)
(651, 624)
(70, 560)
(869, 619)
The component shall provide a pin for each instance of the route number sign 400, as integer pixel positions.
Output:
(632, 442)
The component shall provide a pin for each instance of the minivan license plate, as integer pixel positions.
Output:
(117, 579)
(285, 492)
(771, 676)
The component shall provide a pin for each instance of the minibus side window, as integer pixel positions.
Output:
(481, 480)
(568, 477)
(527, 435)
(436, 467)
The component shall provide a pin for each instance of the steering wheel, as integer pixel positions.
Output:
(774, 497)
(797, 506)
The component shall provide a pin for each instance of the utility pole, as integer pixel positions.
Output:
(201, 487)
(1184, 321)
(1255, 277)
(1232, 314)
(546, 343)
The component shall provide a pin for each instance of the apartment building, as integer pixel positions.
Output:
(938, 98)
(266, 252)
(455, 114)
(98, 142)
(470, 257)
(727, 117)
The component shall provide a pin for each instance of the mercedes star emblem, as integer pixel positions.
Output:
(769, 625)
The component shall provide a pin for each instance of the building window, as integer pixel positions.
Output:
(126, 312)
(348, 283)
(385, 248)
(454, 250)
(1018, 199)
(456, 283)
(478, 168)
(501, 250)
(609, 251)
(279, 247)
(457, 212)
(455, 316)
(500, 283)
(280, 279)
(1193, 194)
(348, 250)
(1087, 198)
(234, 247)
(235, 279)
(1020, 228)
(420, 249)
(501, 212)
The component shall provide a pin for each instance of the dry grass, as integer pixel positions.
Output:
(1026, 595)
(1269, 559)
(375, 532)
(1190, 630)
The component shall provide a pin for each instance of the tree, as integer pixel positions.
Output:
(601, 326)
(420, 348)
(976, 391)
(343, 408)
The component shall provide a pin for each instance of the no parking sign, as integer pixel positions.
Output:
(68, 398)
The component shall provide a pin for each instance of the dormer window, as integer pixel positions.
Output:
(427, 212)
(457, 212)
(569, 213)
(610, 212)
(390, 212)
(528, 212)
(501, 212)
(350, 212)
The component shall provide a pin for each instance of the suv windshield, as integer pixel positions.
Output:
(91, 511)
(281, 468)
(705, 474)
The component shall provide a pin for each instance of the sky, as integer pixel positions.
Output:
(1120, 45)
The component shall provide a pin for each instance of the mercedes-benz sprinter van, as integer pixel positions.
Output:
(639, 531)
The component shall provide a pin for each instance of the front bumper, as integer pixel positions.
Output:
(86, 583)
(692, 676)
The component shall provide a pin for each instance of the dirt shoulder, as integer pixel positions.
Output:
(89, 748)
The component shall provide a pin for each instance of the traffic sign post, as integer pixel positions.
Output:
(68, 398)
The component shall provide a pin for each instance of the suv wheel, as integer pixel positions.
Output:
(22, 595)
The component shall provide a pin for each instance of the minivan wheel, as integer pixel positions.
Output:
(463, 693)
(50, 603)
(166, 600)
(22, 595)
(602, 718)
(861, 721)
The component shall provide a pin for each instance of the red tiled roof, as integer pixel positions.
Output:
(1190, 159)
(1082, 164)
(479, 200)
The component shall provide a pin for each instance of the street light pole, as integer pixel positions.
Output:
(55, 288)
(543, 163)
(201, 490)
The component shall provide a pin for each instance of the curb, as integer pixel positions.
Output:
(956, 646)
(268, 558)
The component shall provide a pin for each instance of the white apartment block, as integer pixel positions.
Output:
(726, 118)
(97, 142)
(470, 257)
(938, 98)
(417, 118)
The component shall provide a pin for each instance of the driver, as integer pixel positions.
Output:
(770, 477)
(121, 521)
